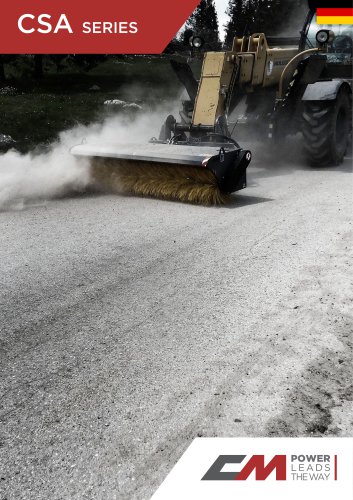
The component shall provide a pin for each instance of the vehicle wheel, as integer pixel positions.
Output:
(326, 130)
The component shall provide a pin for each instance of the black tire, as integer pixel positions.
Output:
(326, 130)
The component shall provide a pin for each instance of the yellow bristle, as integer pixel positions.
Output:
(158, 180)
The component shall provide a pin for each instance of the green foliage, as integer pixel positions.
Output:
(34, 112)
(37, 66)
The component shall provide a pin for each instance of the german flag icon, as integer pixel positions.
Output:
(334, 15)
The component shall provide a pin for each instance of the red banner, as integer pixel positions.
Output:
(335, 12)
(102, 27)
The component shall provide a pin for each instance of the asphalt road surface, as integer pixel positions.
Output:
(131, 326)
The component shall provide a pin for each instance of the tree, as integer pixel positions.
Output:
(239, 20)
(86, 62)
(175, 46)
(265, 15)
(204, 22)
(260, 16)
(38, 66)
(6, 59)
(2, 70)
(60, 61)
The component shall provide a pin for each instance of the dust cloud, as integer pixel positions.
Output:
(295, 22)
(32, 177)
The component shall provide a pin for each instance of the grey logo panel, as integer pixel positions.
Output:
(214, 472)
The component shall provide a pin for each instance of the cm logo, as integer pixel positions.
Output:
(256, 463)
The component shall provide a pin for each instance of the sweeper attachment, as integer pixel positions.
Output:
(194, 160)
(204, 173)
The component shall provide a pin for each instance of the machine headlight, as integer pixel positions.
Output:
(196, 41)
(324, 36)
